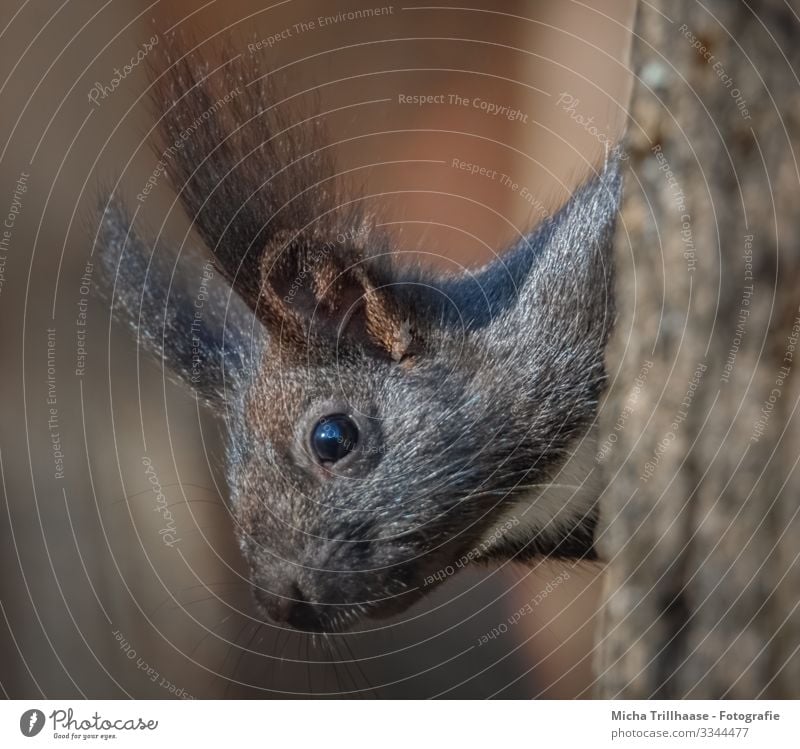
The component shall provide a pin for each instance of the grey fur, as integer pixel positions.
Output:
(180, 311)
(496, 384)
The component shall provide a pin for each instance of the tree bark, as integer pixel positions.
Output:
(699, 434)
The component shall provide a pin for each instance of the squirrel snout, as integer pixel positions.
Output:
(326, 602)
(287, 604)
(342, 582)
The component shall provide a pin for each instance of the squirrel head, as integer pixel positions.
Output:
(385, 423)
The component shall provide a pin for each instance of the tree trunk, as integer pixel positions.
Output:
(699, 433)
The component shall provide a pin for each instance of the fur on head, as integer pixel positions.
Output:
(463, 397)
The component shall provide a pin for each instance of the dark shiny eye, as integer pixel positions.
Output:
(334, 437)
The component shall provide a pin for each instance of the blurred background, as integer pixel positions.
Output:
(92, 602)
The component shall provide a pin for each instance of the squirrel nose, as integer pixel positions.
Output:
(288, 606)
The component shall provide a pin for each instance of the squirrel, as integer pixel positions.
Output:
(384, 422)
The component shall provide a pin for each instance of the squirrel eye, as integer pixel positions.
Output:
(334, 437)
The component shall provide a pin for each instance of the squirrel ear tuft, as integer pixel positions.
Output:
(259, 182)
(312, 288)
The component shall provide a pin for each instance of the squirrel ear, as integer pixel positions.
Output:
(181, 312)
(562, 270)
(569, 290)
(312, 288)
(581, 232)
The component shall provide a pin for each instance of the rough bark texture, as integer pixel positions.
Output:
(699, 433)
